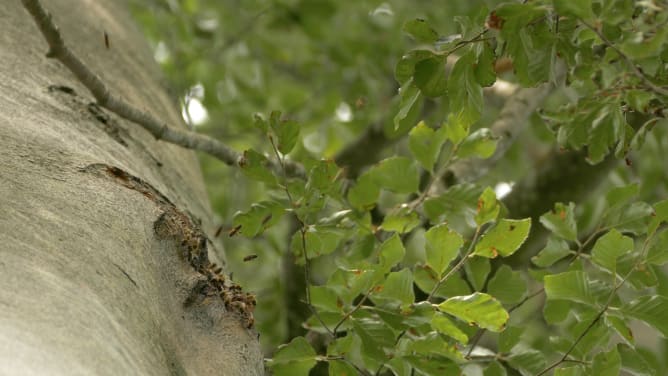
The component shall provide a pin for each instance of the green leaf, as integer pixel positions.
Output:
(434, 344)
(632, 218)
(488, 207)
(442, 246)
(257, 167)
(556, 311)
(507, 285)
(401, 220)
(420, 30)
(434, 366)
(260, 217)
(396, 290)
(458, 201)
(481, 143)
(477, 269)
(319, 240)
(610, 246)
(484, 70)
(323, 177)
(645, 47)
(620, 327)
(444, 325)
(504, 238)
(657, 252)
(572, 286)
(651, 309)
(555, 250)
(578, 8)
(464, 91)
(660, 216)
(456, 128)
(633, 362)
(495, 369)
(509, 338)
(409, 96)
(561, 221)
(528, 362)
(363, 195)
(478, 308)
(295, 358)
(287, 132)
(607, 363)
(397, 174)
(425, 144)
(325, 298)
(429, 77)
(391, 252)
(340, 368)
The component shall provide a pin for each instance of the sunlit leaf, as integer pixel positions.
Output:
(504, 238)
(610, 246)
(479, 309)
(442, 324)
(488, 207)
(569, 286)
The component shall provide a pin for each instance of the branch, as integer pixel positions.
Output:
(512, 120)
(639, 73)
(159, 129)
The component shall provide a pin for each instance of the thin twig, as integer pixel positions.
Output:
(639, 73)
(600, 313)
(457, 266)
(156, 127)
(478, 335)
(350, 313)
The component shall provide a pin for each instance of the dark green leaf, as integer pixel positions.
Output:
(464, 91)
(579, 8)
(429, 77)
(495, 369)
(477, 269)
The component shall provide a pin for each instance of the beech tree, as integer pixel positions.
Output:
(463, 188)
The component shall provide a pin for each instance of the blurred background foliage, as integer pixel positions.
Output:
(330, 65)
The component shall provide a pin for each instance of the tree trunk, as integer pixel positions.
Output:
(103, 247)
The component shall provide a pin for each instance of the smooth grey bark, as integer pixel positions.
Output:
(86, 285)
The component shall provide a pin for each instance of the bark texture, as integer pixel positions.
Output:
(95, 276)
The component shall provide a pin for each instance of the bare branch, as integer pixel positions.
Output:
(159, 129)
(512, 120)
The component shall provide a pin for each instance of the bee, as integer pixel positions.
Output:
(249, 258)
